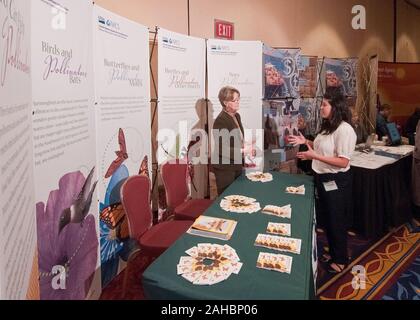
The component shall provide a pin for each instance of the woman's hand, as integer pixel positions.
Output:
(307, 155)
(249, 149)
(296, 140)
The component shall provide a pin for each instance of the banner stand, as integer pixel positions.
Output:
(155, 165)
(319, 84)
(207, 129)
(365, 108)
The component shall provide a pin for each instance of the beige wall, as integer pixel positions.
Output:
(408, 30)
(319, 27)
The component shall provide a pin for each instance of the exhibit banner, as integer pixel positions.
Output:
(310, 117)
(18, 278)
(281, 70)
(64, 149)
(123, 130)
(399, 86)
(181, 91)
(238, 64)
(281, 119)
(341, 73)
(308, 76)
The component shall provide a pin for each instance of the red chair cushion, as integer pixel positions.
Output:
(191, 209)
(162, 235)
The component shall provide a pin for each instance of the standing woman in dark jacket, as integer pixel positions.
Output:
(330, 153)
(228, 134)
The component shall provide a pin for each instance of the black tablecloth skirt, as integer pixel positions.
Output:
(381, 198)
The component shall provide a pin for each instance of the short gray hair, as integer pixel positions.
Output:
(226, 94)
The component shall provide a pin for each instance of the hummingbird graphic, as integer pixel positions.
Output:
(79, 209)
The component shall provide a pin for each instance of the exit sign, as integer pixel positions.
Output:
(223, 30)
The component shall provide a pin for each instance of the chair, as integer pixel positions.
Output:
(153, 240)
(174, 176)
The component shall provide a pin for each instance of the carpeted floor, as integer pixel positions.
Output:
(378, 268)
(407, 286)
(132, 289)
(391, 270)
(356, 246)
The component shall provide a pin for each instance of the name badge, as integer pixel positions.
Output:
(330, 186)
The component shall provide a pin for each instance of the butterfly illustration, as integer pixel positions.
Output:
(114, 217)
(121, 155)
(144, 167)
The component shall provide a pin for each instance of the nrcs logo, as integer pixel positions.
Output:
(171, 41)
(109, 23)
(220, 48)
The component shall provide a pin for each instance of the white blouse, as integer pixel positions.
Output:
(340, 143)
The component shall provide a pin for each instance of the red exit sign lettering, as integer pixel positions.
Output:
(223, 30)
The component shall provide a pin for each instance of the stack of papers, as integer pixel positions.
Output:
(282, 229)
(279, 243)
(275, 262)
(212, 227)
(283, 212)
(296, 190)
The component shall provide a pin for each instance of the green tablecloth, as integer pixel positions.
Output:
(160, 280)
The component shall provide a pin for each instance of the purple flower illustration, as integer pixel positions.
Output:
(75, 247)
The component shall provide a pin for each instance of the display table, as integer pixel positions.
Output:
(380, 156)
(381, 191)
(160, 280)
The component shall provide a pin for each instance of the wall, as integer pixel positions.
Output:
(320, 27)
(408, 31)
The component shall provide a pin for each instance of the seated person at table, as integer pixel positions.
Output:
(330, 153)
(382, 119)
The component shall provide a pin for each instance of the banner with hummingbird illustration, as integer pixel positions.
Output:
(64, 155)
(123, 130)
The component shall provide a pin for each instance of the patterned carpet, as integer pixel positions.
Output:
(407, 286)
(371, 275)
(132, 290)
(357, 245)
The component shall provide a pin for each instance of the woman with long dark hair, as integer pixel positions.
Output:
(330, 153)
